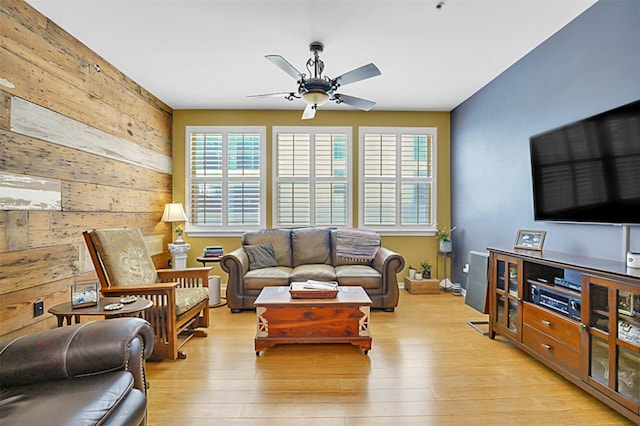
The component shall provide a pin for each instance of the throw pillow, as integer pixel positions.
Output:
(261, 256)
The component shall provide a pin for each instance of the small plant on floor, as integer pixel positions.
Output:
(426, 269)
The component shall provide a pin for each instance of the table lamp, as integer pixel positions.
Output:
(173, 212)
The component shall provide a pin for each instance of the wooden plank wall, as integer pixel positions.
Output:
(81, 146)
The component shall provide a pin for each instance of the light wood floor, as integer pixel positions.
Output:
(426, 367)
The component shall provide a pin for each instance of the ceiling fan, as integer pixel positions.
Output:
(317, 90)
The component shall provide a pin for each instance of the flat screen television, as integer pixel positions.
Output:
(589, 171)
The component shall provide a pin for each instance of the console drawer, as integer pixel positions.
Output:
(559, 354)
(554, 325)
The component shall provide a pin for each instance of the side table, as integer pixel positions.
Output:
(445, 256)
(66, 311)
(204, 260)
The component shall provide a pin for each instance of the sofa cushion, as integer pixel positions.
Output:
(360, 275)
(187, 298)
(261, 256)
(87, 400)
(280, 240)
(318, 272)
(266, 277)
(125, 256)
(311, 245)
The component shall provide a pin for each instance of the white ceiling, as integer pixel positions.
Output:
(210, 53)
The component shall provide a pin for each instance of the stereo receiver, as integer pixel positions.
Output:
(558, 301)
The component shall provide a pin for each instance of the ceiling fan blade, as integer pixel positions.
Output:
(287, 95)
(309, 112)
(285, 66)
(362, 73)
(359, 103)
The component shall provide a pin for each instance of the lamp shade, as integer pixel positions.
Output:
(173, 212)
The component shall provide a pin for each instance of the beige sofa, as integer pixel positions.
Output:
(279, 256)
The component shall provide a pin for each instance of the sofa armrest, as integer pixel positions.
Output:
(388, 263)
(78, 350)
(387, 260)
(236, 264)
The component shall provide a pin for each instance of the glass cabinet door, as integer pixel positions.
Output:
(614, 328)
(508, 295)
(628, 342)
(599, 326)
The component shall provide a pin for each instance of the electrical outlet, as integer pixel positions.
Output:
(38, 308)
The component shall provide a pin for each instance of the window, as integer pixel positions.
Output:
(312, 176)
(225, 179)
(397, 179)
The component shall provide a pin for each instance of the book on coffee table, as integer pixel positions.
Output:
(312, 289)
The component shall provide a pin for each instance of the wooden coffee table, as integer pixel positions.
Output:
(284, 320)
(65, 311)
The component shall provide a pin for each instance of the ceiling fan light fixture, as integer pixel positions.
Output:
(316, 90)
(315, 98)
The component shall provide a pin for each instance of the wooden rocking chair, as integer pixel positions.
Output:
(180, 296)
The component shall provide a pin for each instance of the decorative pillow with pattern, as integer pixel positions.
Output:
(261, 256)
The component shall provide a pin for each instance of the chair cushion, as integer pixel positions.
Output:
(125, 256)
(187, 298)
(261, 256)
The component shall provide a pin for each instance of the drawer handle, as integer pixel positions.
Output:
(546, 323)
(545, 346)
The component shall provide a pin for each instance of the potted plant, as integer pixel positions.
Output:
(446, 245)
(426, 270)
(412, 272)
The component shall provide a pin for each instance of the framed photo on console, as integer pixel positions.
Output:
(530, 240)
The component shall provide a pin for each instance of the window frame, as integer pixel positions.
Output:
(225, 229)
(276, 179)
(398, 228)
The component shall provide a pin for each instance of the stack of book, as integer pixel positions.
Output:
(312, 289)
(213, 251)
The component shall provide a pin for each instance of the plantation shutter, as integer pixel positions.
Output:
(311, 178)
(397, 179)
(224, 186)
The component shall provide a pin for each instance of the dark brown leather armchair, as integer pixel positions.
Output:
(86, 374)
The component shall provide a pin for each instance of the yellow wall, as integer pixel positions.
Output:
(414, 249)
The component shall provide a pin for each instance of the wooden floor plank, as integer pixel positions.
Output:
(427, 366)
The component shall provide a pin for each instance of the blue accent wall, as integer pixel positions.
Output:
(589, 66)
